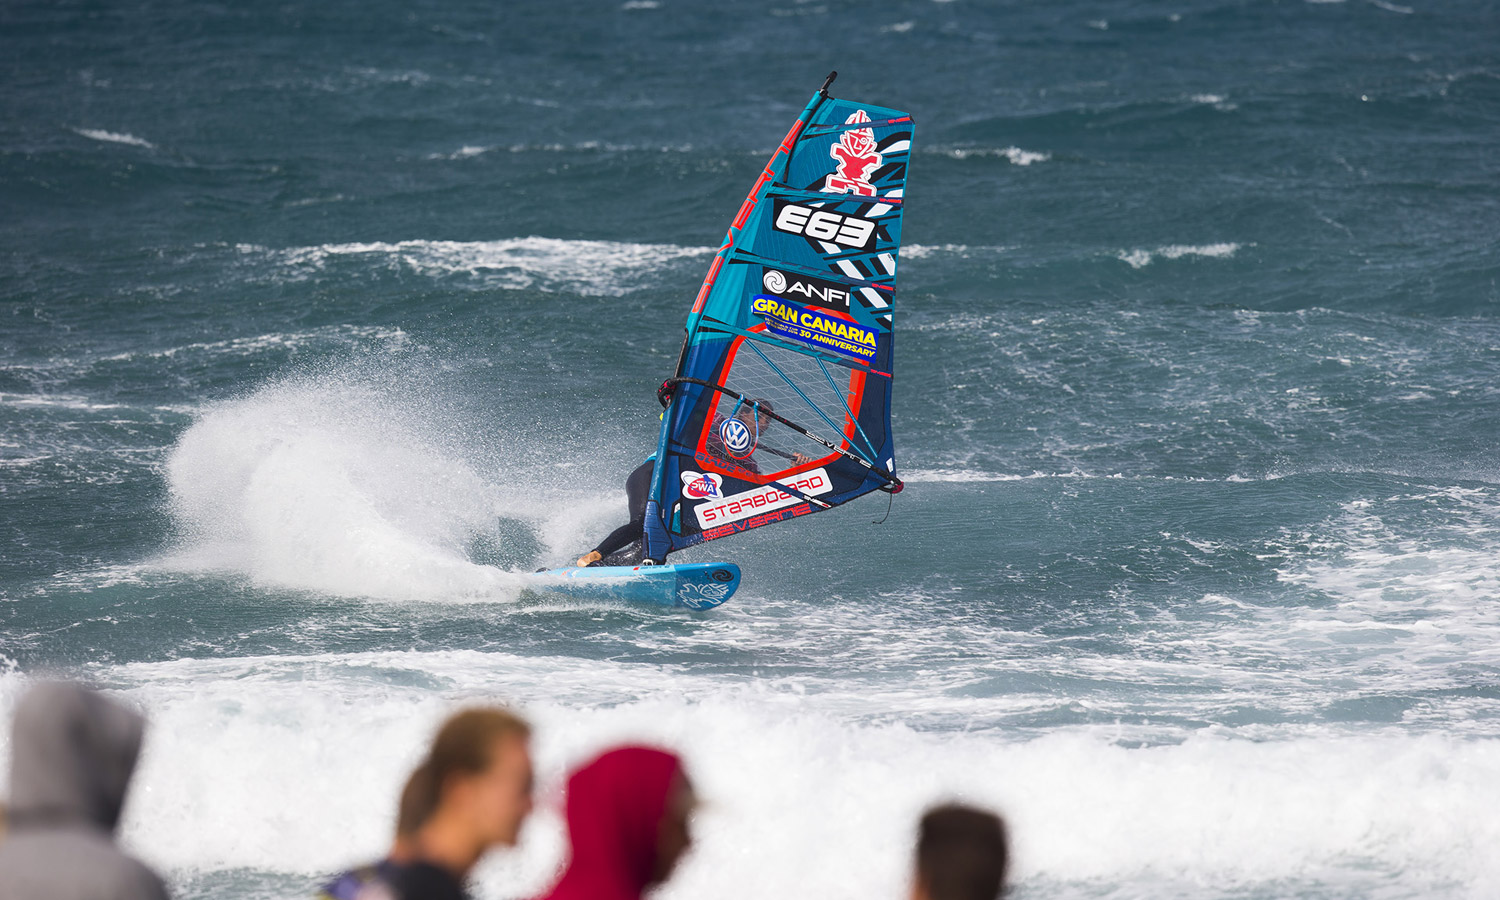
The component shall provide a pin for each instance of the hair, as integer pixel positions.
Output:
(463, 746)
(763, 405)
(962, 853)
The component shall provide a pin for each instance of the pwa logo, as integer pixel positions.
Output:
(702, 486)
(736, 437)
(856, 158)
(824, 225)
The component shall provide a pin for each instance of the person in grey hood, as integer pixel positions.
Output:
(72, 753)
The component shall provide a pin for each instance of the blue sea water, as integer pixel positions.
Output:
(319, 322)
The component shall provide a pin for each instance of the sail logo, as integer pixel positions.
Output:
(702, 486)
(824, 225)
(817, 329)
(801, 289)
(736, 437)
(763, 499)
(856, 157)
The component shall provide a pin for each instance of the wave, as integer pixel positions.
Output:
(601, 268)
(114, 137)
(925, 251)
(469, 151)
(1016, 155)
(80, 404)
(1138, 259)
(328, 484)
(261, 741)
(255, 345)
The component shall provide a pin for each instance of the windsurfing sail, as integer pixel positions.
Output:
(781, 402)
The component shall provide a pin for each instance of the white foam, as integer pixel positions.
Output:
(1016, 155)
(332, 485)
(81, 404)
(1137, 259)
(1379, 573)
(899, 27)
(1217, 101)
(469, 151)
(963, 251)
(114, 137)
(254, 345)
(249, 760)
(605, 268)
(640, 4)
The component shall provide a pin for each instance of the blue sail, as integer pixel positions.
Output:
(781, 403)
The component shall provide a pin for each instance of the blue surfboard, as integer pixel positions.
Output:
(690, 586)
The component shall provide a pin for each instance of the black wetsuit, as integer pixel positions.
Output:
(613, 549)
(399, 881)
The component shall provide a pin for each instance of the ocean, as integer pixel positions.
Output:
(320, 322)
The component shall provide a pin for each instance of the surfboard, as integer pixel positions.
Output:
(689, 586)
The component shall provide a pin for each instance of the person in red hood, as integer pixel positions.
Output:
(628, 813)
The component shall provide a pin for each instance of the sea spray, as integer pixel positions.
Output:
(333, 482)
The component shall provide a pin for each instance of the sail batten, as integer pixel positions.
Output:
(780, 405)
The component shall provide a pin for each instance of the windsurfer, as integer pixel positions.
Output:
(637, 492)
(623, 545)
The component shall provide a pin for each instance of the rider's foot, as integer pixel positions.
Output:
(590, 558)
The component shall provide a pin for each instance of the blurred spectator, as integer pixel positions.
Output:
(962, 854)
(72, 754)
(471, 793)
(628, 813)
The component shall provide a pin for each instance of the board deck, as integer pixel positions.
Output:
(690, 586)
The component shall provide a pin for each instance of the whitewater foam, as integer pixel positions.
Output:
(254, 345)
(1137, 259)
(1016, 155)
(600, 268)
(333, 484)
(282, 745)
(114, 137)
(469, 151)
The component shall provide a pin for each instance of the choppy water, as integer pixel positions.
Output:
(321, 320)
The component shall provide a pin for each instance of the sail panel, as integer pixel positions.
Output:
(781, 402)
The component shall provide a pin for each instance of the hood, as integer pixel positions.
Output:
(615, 806)
(72, 753)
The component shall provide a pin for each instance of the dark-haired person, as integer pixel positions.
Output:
(962, 854)
(628, 813)
(471, 793)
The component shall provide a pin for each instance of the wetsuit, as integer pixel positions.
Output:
(613, 549)
(387, 880)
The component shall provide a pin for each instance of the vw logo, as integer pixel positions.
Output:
(774, 281)
(736, 437)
